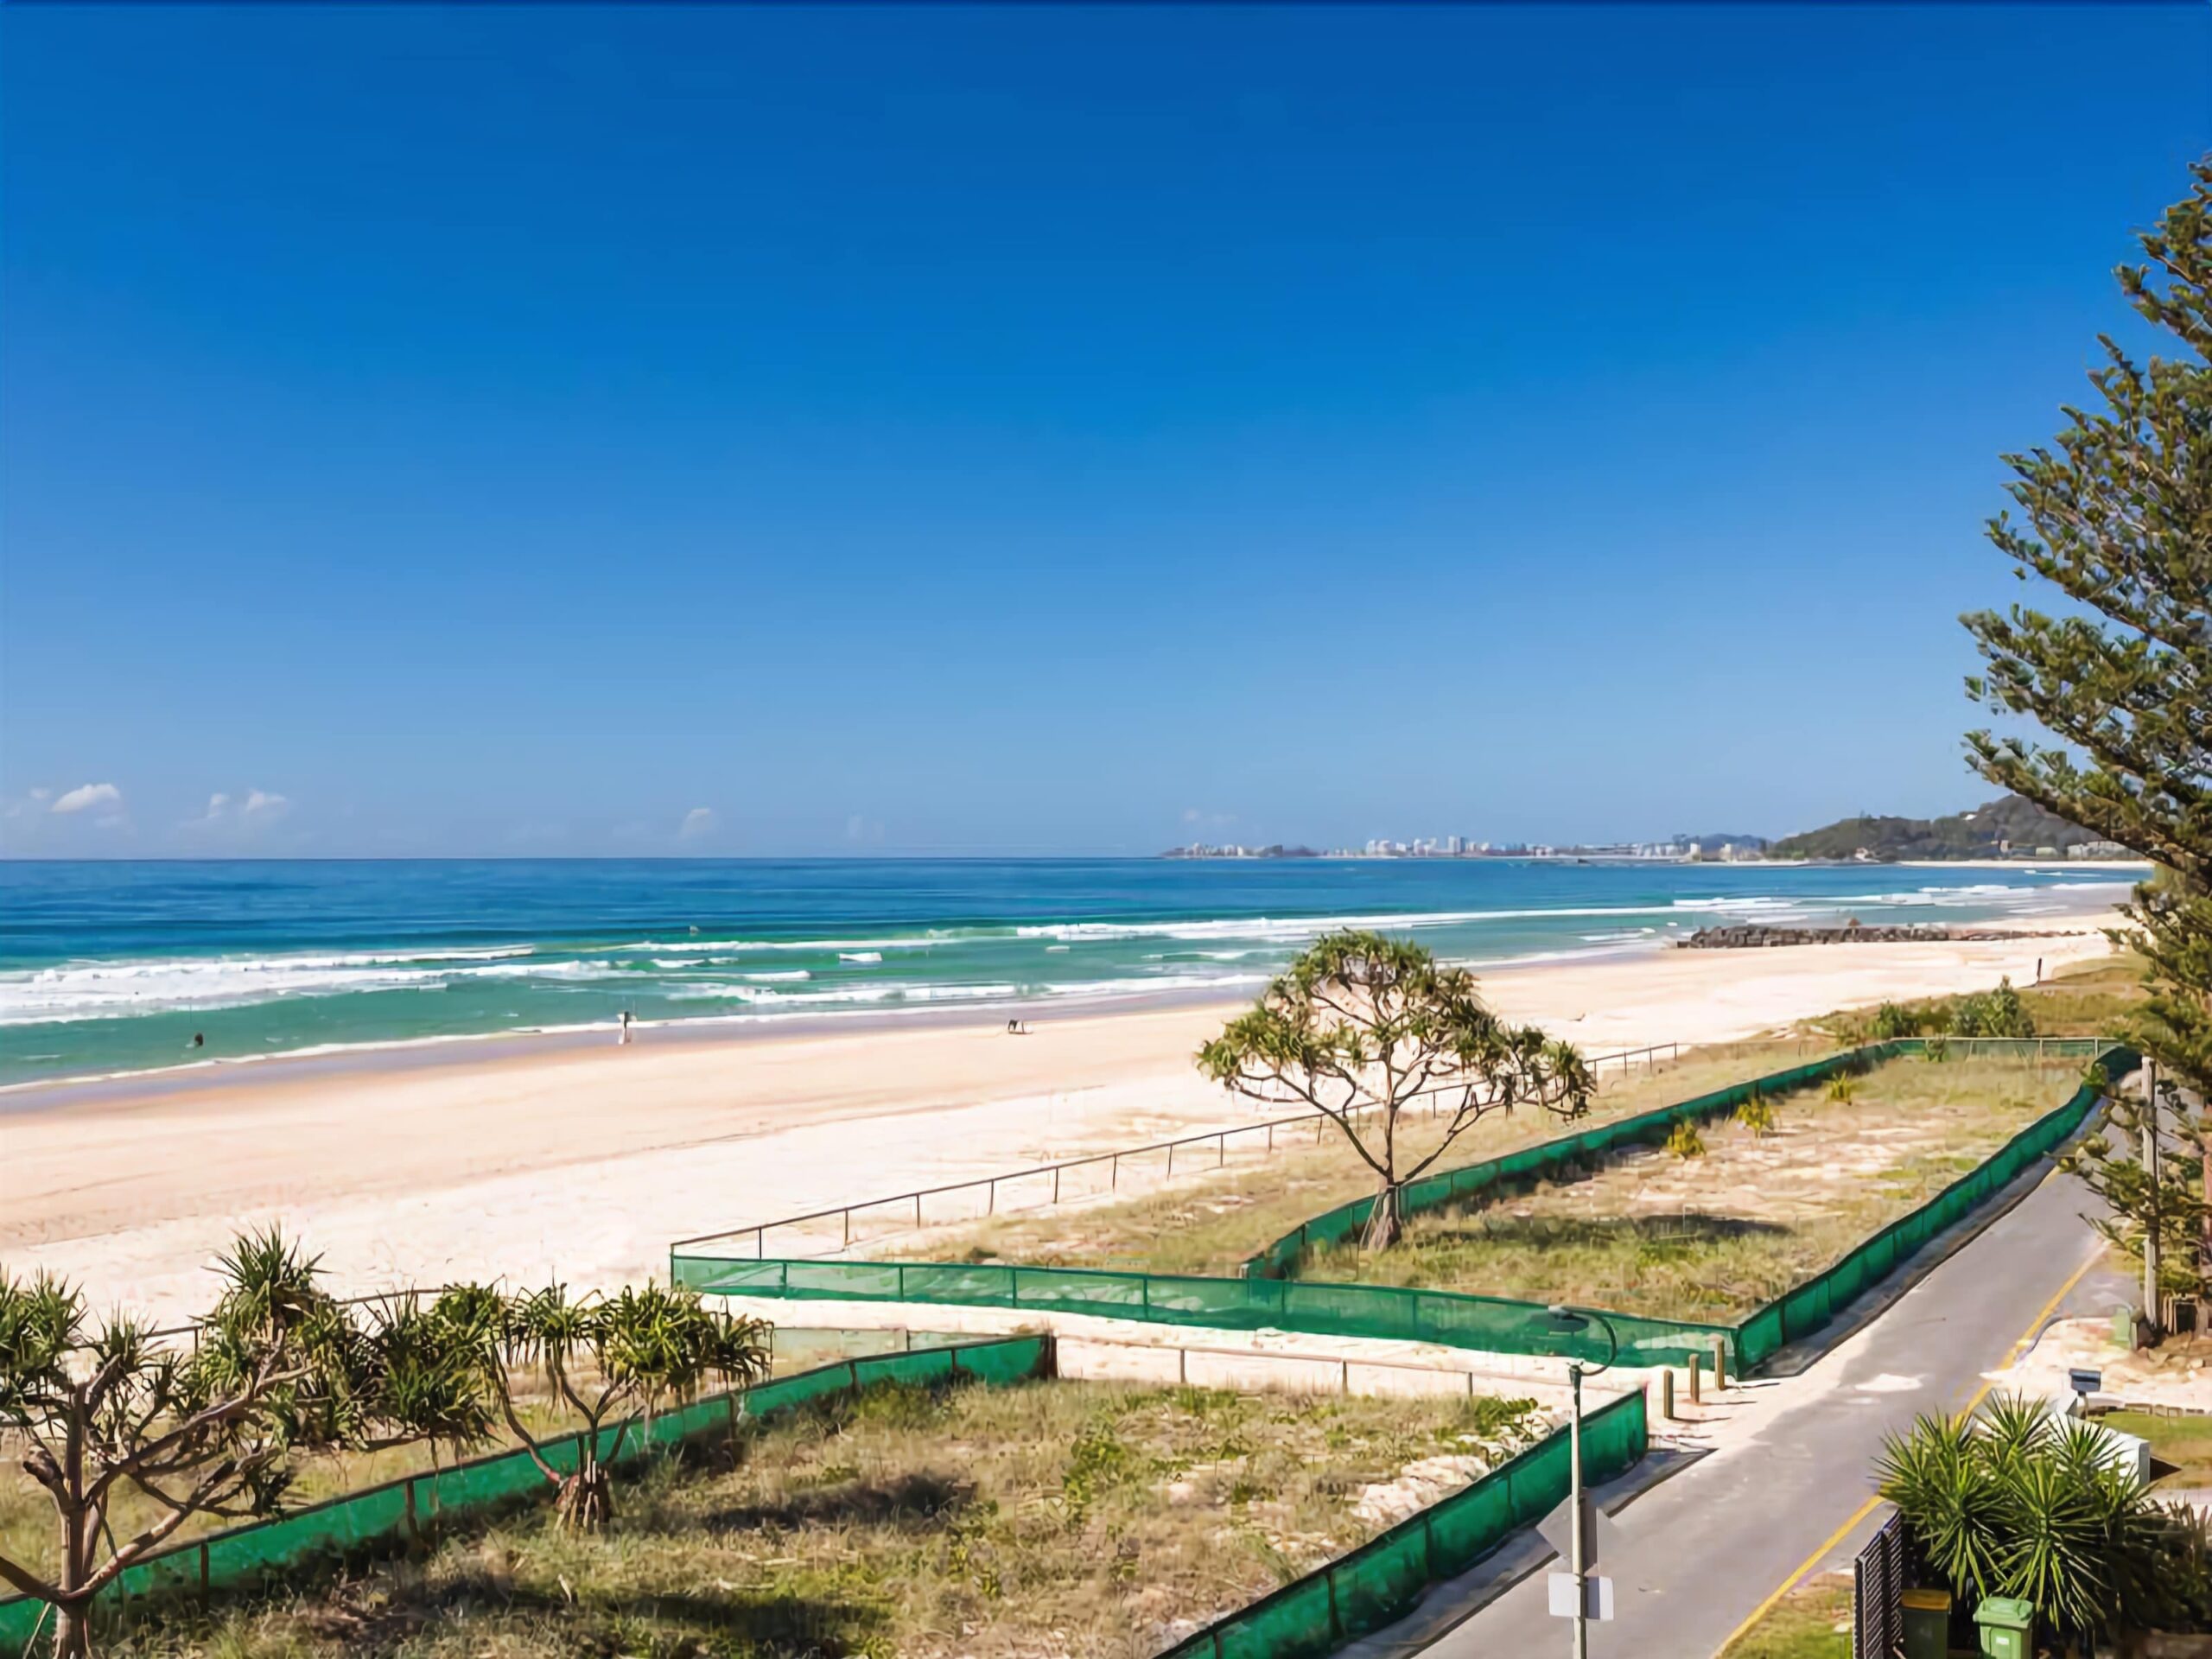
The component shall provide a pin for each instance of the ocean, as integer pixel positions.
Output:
(110, 968)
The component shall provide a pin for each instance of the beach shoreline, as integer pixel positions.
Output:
(584, 1159)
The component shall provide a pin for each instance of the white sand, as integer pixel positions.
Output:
(589, 1162)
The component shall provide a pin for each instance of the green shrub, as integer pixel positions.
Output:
(1891, 1021)
(1936, 1050)
(1756, 1113)
(1842, 1087)
(1686, 1141)
(1992, 1013)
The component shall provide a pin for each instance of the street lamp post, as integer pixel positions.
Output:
(1566, 1318)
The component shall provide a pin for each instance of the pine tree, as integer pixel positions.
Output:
(2119, 520)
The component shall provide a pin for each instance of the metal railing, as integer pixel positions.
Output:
(1266, 1131)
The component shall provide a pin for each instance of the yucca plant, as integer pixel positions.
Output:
(604, 1358)
(1842, 1087)
(2018, 1502)
(1755, 1113)
(1686, 1141)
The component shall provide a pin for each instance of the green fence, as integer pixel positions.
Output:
(1493, 1324)
(1380, 1582)
(1496, 1324)
(267, 1551)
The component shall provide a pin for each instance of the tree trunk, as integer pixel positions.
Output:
(1385, 1220)
(73, 1629)
(586, 1501)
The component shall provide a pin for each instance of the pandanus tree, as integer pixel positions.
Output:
(1360, 1027)
(110, 1422)
(603, 1358)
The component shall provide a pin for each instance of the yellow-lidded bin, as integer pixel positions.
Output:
(2006, 1627)
(1926, 1623)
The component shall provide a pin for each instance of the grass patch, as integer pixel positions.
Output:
(2184, 1445)
(1209, 1224)
(1712, 1236)
(1050, 1517)
(1812, 1622)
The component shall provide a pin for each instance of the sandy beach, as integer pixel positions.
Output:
(587, 1162)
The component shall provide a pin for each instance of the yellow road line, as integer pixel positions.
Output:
(2026, 1340)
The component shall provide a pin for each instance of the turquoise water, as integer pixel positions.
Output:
(107, 968)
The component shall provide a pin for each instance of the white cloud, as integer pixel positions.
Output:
(89, 795)
(224, 809)
(699, 820)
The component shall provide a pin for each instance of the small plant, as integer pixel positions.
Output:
(1756, 1115)
(1936, 1050)
(1842, 1087)
(1686, 1141)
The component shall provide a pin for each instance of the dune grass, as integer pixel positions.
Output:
(2087, 999)
(1046, 1518)
(1210, 1222)
(1711, 1237)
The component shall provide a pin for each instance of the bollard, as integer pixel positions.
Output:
(1667, 1393)
(1719, 1365)
(1696, 1364)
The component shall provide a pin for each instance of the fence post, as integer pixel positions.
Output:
(1171, 1161)
(848, 1228)
(1116, 1183)
(992, 1208)
(1056, 1183)
(1221, 1149)
(918, 1212)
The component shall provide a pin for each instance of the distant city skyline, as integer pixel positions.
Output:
(590, 431)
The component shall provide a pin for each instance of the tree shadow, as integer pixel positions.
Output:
(794, 1620)
(910, 1502)
(1685, 1230)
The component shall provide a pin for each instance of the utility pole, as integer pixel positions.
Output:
(2151, 1175)
(1579, 1553)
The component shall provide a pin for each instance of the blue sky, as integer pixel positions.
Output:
(574, 431)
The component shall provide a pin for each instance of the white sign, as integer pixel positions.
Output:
(1597, 1596)
(1599, 1531)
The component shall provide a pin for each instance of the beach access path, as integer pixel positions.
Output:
(1784, 1486)
(521, 1162)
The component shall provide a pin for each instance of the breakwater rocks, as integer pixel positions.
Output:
(1745, 935)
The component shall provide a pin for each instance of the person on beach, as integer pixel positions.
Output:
(625, 1039)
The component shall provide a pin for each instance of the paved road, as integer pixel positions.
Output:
(1701, 1550)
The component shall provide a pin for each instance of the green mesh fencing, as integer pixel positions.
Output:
(1493, 1324)
(1259, 1300)
(265, 1551)
(1380, 1582)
